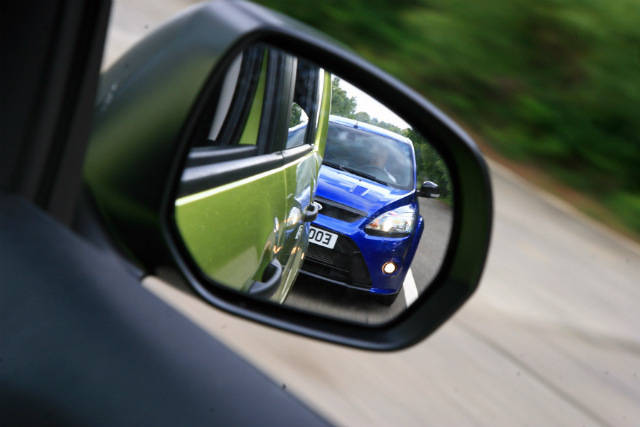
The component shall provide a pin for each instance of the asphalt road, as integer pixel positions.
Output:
(552, 336)
(337, 301)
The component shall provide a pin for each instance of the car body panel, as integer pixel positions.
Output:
(322, 125)
(355, 191)
(234, 246)
(298, 175)
(229, 245)
(301, 179)
(223, 232)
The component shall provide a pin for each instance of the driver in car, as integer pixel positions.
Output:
(383, 161)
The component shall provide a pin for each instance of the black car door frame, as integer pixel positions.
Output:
(82, 342)
(51, 61)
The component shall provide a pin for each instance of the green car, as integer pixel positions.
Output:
(245, 198)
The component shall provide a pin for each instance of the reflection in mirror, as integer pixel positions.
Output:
(304, 190)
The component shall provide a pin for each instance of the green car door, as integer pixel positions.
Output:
(247, 186)
(302, 154)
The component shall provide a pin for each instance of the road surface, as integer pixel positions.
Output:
(552, 337)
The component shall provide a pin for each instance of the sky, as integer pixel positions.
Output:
(374, 108)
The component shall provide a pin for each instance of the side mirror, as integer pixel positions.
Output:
(430, 190)
(217, 134)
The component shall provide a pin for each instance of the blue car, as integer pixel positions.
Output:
(369, 225)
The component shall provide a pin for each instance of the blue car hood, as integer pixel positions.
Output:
(355, 191)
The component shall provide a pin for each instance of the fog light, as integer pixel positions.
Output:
(389, 267)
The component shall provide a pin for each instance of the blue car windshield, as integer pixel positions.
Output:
(376, 157)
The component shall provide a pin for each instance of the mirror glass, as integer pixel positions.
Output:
(304, 190)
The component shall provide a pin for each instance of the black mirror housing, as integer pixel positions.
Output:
(132, 175)
(429, 189)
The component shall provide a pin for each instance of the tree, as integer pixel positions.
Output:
(341, 104)
(362, 116)
(294, 115)
(388, 126)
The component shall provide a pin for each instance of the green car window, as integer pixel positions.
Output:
(304, 107)
(236, 114)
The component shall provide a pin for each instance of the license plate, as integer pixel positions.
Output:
(322, 237)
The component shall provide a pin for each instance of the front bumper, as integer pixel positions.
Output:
(357, 258)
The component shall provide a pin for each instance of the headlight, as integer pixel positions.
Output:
(399, 221)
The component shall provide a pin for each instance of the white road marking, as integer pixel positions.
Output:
(410, 289)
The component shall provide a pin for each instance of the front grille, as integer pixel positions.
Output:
(322, 254)
(338, 211)
(344, 263)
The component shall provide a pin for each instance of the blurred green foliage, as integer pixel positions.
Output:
(551, 83)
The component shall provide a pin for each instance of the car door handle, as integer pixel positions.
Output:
(310, 213)
(268, 287)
